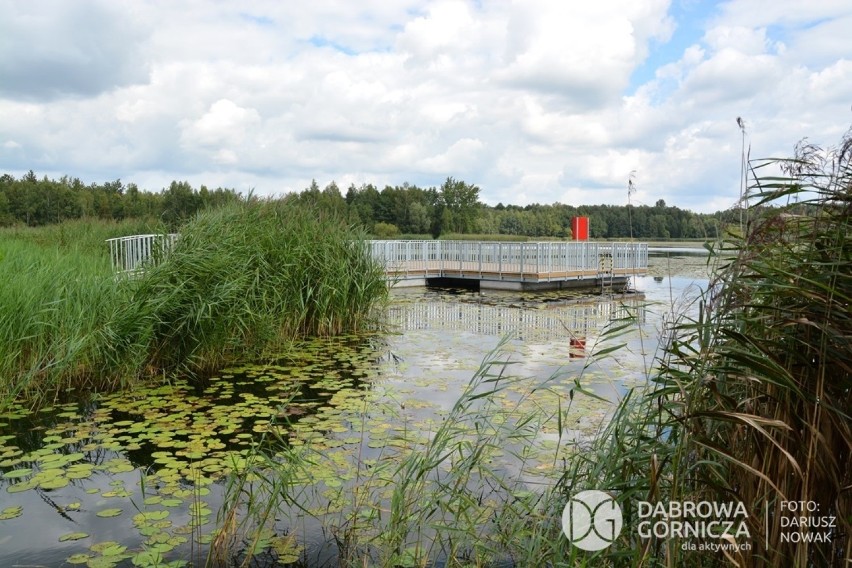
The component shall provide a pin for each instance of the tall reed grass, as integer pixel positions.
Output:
(752, 398)
(439, 501)
(245, 277)
(57, 300)
(242, 279)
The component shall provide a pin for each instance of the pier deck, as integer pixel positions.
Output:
(512, 265)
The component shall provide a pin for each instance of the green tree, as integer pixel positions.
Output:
(6, 218)
(180, 203)
(459, 203)
(419, 218)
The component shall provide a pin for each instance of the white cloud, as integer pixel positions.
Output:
(54, 49)
(529, 99)
(225, 123)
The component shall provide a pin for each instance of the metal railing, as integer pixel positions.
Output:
(132, 254)
(510, 260)
(467, 259)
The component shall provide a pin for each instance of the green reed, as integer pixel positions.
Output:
(241, 280)
(246, 277)
(57, 301)
(750, 400)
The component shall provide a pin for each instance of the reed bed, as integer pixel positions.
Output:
(246, 277)
(57, 301)
(243, 279)
(751, 399)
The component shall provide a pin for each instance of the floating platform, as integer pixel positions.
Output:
(511, 265)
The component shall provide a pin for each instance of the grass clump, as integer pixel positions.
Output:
(58, 301)
(247, 276)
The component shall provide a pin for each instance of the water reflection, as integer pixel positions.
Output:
(535, 319)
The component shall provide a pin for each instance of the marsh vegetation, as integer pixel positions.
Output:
(242, 279)
(458, 448)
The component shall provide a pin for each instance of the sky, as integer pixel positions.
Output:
(533, 101)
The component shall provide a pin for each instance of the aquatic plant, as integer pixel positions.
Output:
(750, 401)
(246, 276)
(56, 301)
(464, 490)
(242, 279)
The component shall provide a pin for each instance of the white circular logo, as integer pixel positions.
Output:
(592, 520)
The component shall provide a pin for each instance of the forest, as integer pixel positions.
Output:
(453, 209)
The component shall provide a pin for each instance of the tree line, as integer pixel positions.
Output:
(451, 208)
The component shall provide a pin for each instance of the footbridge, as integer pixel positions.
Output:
(486, 264)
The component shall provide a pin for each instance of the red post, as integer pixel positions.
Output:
(580, 228)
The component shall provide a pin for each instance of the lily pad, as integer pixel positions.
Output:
(11, 513)
(73, 536)
(107, 513)
(15, 474)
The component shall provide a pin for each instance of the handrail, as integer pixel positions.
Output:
(503, 259)
(431, 259)
(131, 254)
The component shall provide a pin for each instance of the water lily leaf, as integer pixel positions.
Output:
(55, 482)
(155, 515)
(286, 548)
(11, 513)
(147, 530)
(104, 561)
(15, 474)
(80, 558)
(99, 547)
(199, 510)
(113, 550)
(118, 466)
(147, 559)
(158, 537)
(79, 473)
(73, 536)
(162, 547)
(107, 513)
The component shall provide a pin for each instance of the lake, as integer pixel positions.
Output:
(140, 478)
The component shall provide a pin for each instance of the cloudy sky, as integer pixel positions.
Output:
(531, 100)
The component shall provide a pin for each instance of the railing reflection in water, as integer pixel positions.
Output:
(573, 322)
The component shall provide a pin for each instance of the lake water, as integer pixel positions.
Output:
(139, 478)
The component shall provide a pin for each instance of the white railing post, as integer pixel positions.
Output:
(522, 261)
(537, 259)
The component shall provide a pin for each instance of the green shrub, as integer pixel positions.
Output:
(385, 230)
